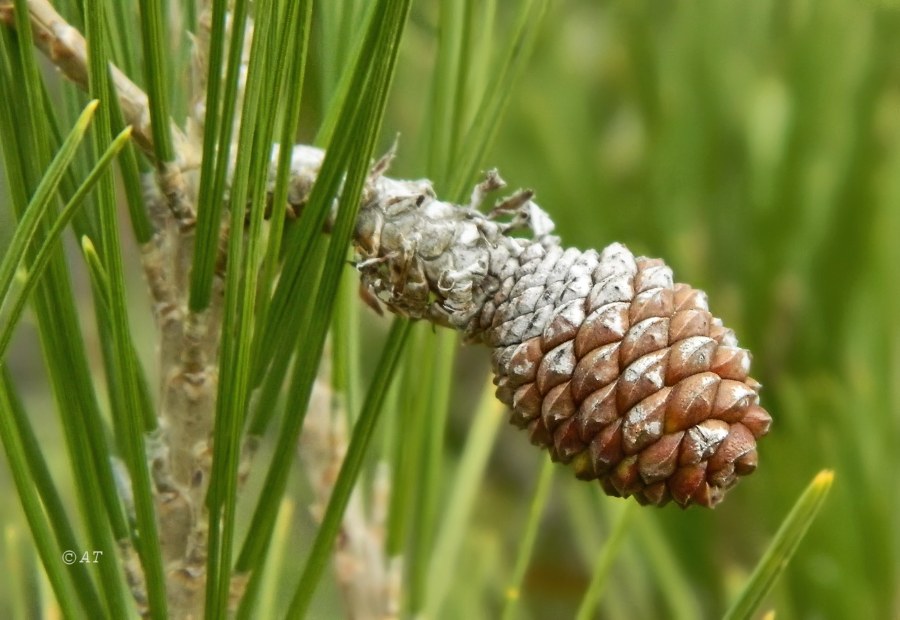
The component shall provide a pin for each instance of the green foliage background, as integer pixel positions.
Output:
(756, 147)
(753, 145)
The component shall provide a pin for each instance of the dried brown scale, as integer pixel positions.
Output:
(603, 358)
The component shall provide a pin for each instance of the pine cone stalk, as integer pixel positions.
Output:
(605, 360)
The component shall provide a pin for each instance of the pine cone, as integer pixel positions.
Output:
(609, 365)
(626, 376)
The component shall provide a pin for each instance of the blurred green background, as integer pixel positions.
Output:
(755, 146)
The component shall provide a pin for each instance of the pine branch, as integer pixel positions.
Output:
(603, 358)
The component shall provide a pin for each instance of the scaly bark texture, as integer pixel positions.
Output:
(604, 359)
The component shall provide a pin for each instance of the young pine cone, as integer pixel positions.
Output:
(607, 363)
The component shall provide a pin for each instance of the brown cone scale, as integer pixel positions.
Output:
(635, 384)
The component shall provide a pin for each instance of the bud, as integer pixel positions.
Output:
(606, 362)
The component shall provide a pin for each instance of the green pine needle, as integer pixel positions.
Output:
(526, 546)
(600, 571)
(782, 548)
(50, 554)
(28, 223)
(50, 241)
